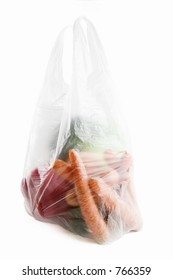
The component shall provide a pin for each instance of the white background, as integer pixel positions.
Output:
(138, 40)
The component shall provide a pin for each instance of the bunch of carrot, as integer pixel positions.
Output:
(100, 191)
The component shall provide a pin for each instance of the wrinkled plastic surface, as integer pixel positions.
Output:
(78, 170)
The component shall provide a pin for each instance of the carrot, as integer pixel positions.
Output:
(64, 169)
(71, 198)
(130, 216)
(90, 212)
(95, 191)
(111, 202)
(106, 196)
(118, 161)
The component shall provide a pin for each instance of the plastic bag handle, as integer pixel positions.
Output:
(55, 61)
(95, 49)
(54, 83)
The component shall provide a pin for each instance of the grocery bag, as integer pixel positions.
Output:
(79, 166)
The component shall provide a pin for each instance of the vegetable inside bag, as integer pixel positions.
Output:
(78, 171)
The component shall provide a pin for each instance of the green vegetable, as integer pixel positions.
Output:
(89, 136)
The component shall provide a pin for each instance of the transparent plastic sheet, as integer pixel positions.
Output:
(79, 170)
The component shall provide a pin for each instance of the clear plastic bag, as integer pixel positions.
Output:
(78, 170)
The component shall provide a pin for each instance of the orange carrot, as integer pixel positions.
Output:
(106, 196)
(112, 203)
(129, 215)
(90, 212)
(71, 198)
(64, 169)
(118, 161)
